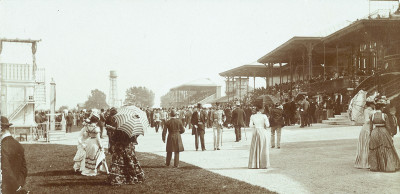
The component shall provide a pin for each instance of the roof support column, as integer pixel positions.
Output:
(228, 86)
(324, 63)
(248, 82)
(337, 60)
(291, 75)
(233, 88)
(254, 82)
(304, 64)
(240, 88)
(310, 47)
(267, 76)
(280, 73)
(272, 74)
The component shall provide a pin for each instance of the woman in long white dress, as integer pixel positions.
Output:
(259, 149)
(94, 149)
(79, 159)
(363, 140)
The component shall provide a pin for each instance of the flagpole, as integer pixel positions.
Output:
(369, 8)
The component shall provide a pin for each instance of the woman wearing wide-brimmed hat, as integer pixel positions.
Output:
(363, 140)
(94, 148)
(382, 154)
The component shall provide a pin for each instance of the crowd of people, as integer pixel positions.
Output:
(375, 150)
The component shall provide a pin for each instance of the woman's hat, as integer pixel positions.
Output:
(381, 100)
(96, 114)
(4, 122)
(370, 99)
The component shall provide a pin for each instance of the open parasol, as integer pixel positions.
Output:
(356, 107)
(131, 120)
(269, 99)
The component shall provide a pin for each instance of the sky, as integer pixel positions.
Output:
(159, 44)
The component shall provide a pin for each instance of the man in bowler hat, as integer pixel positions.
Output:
(238, 117)
(13, 165)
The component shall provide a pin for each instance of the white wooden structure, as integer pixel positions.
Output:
(22, 88)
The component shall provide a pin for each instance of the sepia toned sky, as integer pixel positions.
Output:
(159, 44)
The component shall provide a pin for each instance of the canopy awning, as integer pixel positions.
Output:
(250, 71)
(295, 45)
(361, 30)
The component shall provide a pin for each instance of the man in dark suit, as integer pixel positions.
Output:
(13, 165)
(238, 117)
(198, 121)
(393, 122)
(175, 128)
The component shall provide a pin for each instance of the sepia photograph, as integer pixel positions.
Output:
(199, 96)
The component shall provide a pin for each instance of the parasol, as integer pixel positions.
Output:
(269, 99)
(131, 120)
(356, 107)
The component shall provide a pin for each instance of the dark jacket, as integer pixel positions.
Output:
(13, 165)
(200, 122)
(276, 118)
(392, 128)
(238, 117)
(174, 141)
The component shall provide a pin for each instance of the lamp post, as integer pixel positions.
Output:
(323, 65)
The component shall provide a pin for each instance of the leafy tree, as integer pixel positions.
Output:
(167, 100)
(139, 96)
(62, 108)
(97, 100)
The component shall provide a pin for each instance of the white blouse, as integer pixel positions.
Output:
(259, 120)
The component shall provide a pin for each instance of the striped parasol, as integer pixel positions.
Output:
(131, 120)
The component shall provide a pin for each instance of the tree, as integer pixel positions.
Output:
(97, 100)
(139, 96)
(167, 100)
(62, 108)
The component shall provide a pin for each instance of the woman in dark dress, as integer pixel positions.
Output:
(125, 168)
(382, 155)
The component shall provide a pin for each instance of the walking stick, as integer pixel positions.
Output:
(222, 132)
(245, 134)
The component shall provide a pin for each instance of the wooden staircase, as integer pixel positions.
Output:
(342, 119)
(18, 110)
(57, 136)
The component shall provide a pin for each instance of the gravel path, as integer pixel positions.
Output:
(318, 159)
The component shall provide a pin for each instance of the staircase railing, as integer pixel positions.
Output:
(18, 110)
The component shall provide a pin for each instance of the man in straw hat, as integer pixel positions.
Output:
(13, 164)
(217, 118)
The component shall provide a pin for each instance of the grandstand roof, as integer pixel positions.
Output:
(282, 53)
(196, 84)
(359, 30)
(249, 71)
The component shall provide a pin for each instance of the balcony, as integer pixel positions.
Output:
(16, 72)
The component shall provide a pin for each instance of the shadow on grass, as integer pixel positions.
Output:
(47, 164)
(53, 173)
(84, 182)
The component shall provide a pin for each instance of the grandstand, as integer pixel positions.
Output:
(197, 91)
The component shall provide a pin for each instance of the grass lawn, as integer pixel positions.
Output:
(50, 171)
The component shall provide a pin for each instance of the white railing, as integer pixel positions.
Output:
(40, 75)
(16, 72)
